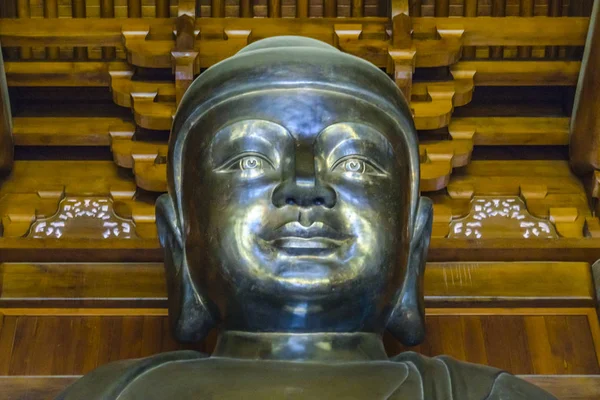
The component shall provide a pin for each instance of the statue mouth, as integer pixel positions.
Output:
(301, 246)
(316, 239)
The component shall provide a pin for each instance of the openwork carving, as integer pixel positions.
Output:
(84, 217)
(500, 217)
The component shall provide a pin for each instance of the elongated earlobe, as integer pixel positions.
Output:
(407, 320)
(191, 315)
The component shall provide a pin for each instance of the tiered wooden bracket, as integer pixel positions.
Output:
(35, 189)
(187, 45)
(548, 188)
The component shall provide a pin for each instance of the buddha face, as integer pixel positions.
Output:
(299, 198)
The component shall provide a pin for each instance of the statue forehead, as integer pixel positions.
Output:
(301, 113)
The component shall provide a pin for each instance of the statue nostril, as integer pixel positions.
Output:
(290, 201)
(319, 201)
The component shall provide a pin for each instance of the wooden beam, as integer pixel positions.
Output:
(486, 73)
(585, 121)
(60, 74)
(66, 32)
(52, 285)
(479, 31)
(512, 131)
(521, 73)
(78, 250)
(510, 31)
(6, 139)
(35, 387)
(108, 31)
(71, 131)
(565, 284)
(568, 387)
(489, 284)
(446, 250)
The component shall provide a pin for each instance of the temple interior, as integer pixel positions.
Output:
(505, 96)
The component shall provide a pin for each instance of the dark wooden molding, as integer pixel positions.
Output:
(6, 139)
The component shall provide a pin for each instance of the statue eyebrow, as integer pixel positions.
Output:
(364, 147)
(354, 139)
(245, 136)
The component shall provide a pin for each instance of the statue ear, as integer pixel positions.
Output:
(407, 320)
(192, 316)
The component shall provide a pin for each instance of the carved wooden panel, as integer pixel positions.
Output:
(85, 218)
(500, 217)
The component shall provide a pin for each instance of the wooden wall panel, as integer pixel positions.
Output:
(521, 344)
(33, 388)
(556, 341)
(74, 345)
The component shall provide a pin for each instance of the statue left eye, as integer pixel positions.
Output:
(355, 165)
(250, 162)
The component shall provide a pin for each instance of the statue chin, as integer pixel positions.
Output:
(294, 216)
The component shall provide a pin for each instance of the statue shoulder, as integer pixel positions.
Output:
(444, 376)
(108, 381)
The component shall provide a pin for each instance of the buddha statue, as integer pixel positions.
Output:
(294, 223)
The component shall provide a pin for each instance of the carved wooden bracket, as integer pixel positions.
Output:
(402, 54)
(184, 56)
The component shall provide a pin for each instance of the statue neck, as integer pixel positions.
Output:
(285, 346)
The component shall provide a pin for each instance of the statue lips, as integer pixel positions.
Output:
(318, 239)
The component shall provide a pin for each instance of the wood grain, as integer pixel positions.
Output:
(574, 387)
(505, 341)
(446, 284)
(510, 31)
(511, 131)
(511, 282)
(73, 131)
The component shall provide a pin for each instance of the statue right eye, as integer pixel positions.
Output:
(249, 164)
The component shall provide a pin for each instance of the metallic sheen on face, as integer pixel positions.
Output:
(303, 201)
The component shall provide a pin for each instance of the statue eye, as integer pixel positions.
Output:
(250, 162)
(356, 165)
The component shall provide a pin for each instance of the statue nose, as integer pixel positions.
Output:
(304, 194)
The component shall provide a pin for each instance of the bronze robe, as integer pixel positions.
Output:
(186, 375)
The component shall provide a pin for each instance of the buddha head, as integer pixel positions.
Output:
(293, 204)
